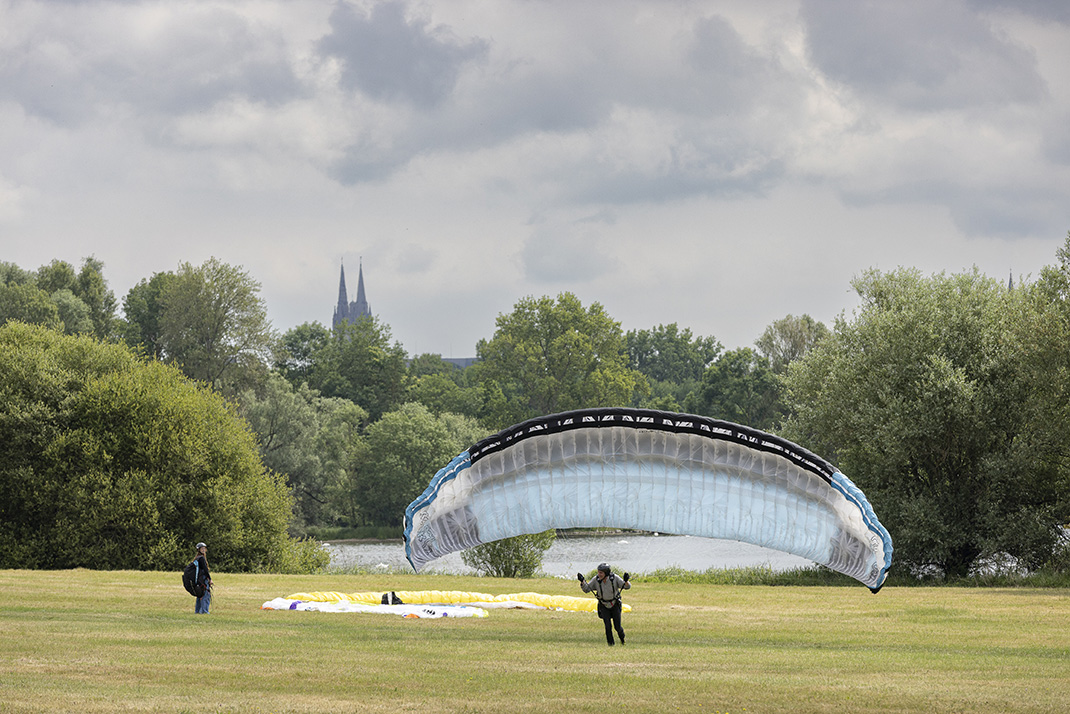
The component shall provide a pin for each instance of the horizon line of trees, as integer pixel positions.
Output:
(943, 397)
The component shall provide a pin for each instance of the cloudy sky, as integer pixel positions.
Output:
(714, 164)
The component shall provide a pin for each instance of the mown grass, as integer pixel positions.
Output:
(817, 575)
(129, 641)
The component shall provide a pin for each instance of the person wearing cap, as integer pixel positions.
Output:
(607, 588)
(203, 578)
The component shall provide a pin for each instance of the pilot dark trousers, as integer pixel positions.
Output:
(611, 617)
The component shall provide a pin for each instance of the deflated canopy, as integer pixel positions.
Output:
(652, 471)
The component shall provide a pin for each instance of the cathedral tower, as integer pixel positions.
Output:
(351, 311)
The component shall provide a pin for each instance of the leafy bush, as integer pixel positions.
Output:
(108, 461)
(300, 557)
(519, 557)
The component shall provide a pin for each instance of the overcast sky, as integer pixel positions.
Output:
(715, 164)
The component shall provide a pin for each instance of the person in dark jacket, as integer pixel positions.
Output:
(203, 578)
(607, 588)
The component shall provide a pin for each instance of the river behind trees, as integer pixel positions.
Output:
(636, 553)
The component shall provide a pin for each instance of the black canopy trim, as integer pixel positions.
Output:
(657, 420)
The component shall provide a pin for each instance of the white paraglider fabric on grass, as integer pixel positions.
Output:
(407, 611)
(430, 603)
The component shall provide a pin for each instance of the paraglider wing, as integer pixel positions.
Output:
(652, 471)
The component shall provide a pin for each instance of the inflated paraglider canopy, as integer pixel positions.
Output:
(652, 471)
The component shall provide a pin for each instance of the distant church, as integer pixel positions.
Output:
(346, 311)
(352, 311)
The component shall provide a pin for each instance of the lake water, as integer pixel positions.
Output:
(571, 555)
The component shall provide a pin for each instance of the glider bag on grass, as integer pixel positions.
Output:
(651, 471)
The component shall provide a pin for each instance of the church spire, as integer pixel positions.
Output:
(346, 311)
(359, 307)
(341, 310)
(343, 299)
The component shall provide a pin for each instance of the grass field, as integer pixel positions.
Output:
(92, 641)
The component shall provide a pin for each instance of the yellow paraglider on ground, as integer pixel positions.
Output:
(429, 603)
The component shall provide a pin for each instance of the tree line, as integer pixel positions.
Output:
(943, 397)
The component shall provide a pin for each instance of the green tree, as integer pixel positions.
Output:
(107, 461)
(73, 313)
(669, 354)
(330, 497)
(442, 387)
(673, 361)
(1044, 336)
(357, 363)
(307, 438)
(142, 307)
(81, 302)
(426, 364)
(57, 275)
(398, 456)
(214, 325)
(464, 430)
(550, 356)
(789, 339)
(11, 274)
(1043, 333)
(92, 289)
(441, 394)
(739, 387)
(922, 400)
(28, 303)
(298, 350)
(21, 299)
(518, 557)
(83, 298)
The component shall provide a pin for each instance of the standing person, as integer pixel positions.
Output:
(203, 578)
(607, 587)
